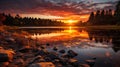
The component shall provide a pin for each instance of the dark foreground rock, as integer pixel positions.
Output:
(71, 53)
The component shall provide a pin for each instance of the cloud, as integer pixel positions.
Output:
(53, 7)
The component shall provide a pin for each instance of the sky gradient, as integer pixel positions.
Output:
(55, 9)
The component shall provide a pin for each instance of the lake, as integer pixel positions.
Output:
(101, 44)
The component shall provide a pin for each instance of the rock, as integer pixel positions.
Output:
(69, 65)
(55, 48)
(64, 56)
(71, 53)
(9, 39)
(47, 44)
(19, 61)
(1, 48)
(53, 55)
(42, 47)
(62, 51)
(6, 55)
(73, 62)
(48, 59)
(4, 64)
(84, 65)
(43, 64)
(91, 62)
(35, 59)
(63, 61)
(25, 49)
(56, 61)
(42, 52)
(59, 65)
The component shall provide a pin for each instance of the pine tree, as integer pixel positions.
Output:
(91, 18)
(117, 12)
(97, 18)
(102, 17)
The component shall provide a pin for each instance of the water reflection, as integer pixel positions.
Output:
(109, 36)
(88, 43)
(75, 35)
(60, 35)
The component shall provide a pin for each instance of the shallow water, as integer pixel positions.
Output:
(104, 45)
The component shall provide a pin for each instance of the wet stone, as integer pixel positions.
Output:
(62, 51)
(91, 62)
(55, 48)
(48, 59)
(53, 55)
(36, 59)
(64, 56)
(42, 52)
(74, 62)
(71, 53)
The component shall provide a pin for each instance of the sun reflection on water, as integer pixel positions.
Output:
(64, 35)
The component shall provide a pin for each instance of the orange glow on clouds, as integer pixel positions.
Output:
(66, 18)
(41, 16)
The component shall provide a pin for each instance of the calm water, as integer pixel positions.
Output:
(104, 45)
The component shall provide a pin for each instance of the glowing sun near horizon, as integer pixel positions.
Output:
(70, 21)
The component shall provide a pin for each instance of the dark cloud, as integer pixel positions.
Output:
(53, 7)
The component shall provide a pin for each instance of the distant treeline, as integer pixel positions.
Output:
(105, 17)
(29, 21)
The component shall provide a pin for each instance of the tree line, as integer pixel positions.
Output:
(29, 21)
(105, 17)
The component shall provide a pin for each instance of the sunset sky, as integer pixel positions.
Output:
(64, 10)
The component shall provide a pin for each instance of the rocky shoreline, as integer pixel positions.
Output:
(18, 50)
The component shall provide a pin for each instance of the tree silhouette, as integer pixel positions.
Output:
(91, 19)
(105, 17)
(117, 13)
(29, 21)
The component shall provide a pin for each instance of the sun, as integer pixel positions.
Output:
(70, 21)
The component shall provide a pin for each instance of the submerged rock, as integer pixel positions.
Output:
(62, 51)
(91, 62)
(64, 56)
(55, 48)
(42, 52)
(71, 53)
(53, 55)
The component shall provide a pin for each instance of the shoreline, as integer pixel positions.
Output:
(86, 27)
